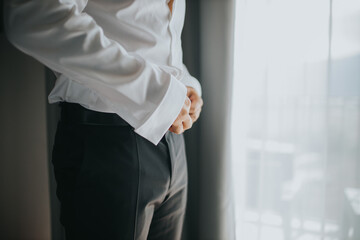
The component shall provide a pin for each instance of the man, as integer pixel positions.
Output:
(126, 97)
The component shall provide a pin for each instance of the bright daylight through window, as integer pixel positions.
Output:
(296, 120)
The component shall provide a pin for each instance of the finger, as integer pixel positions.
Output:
(187, 123)
(184, 112)
(195, 112)
(172, 129)
(194, 116)
(201, 102)
(177, 122)
(193, 96)
(190, 91)
(196, 105)
(187, 104)
(196, 100)
(177, 129)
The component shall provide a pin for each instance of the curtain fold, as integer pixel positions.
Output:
(215, 192)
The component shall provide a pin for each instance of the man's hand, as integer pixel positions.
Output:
(183, 121)
(196, 103)
(189, 113)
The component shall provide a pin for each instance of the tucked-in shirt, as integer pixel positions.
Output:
(118, 56)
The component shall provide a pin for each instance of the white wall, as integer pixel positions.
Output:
(24, 182)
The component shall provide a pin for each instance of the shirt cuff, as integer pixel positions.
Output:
(165, 114)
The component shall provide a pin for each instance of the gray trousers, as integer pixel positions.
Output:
(114, 184)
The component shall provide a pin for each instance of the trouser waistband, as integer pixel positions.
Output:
(77, 114)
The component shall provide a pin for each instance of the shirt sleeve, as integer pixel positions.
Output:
(60, 35)
(190, 81)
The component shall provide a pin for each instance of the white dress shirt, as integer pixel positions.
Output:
(118, 56)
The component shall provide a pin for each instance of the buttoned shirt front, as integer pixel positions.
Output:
(118, 56)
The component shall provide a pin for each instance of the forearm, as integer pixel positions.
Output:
(63, 37)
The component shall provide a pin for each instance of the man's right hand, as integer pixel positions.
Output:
(183, 122)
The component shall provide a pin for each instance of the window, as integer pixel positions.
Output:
(296, 119)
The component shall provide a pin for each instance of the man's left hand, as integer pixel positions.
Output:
(196, 103)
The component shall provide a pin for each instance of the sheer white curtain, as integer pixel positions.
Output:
(296, 120)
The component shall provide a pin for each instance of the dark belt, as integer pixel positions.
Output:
(77, 114)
